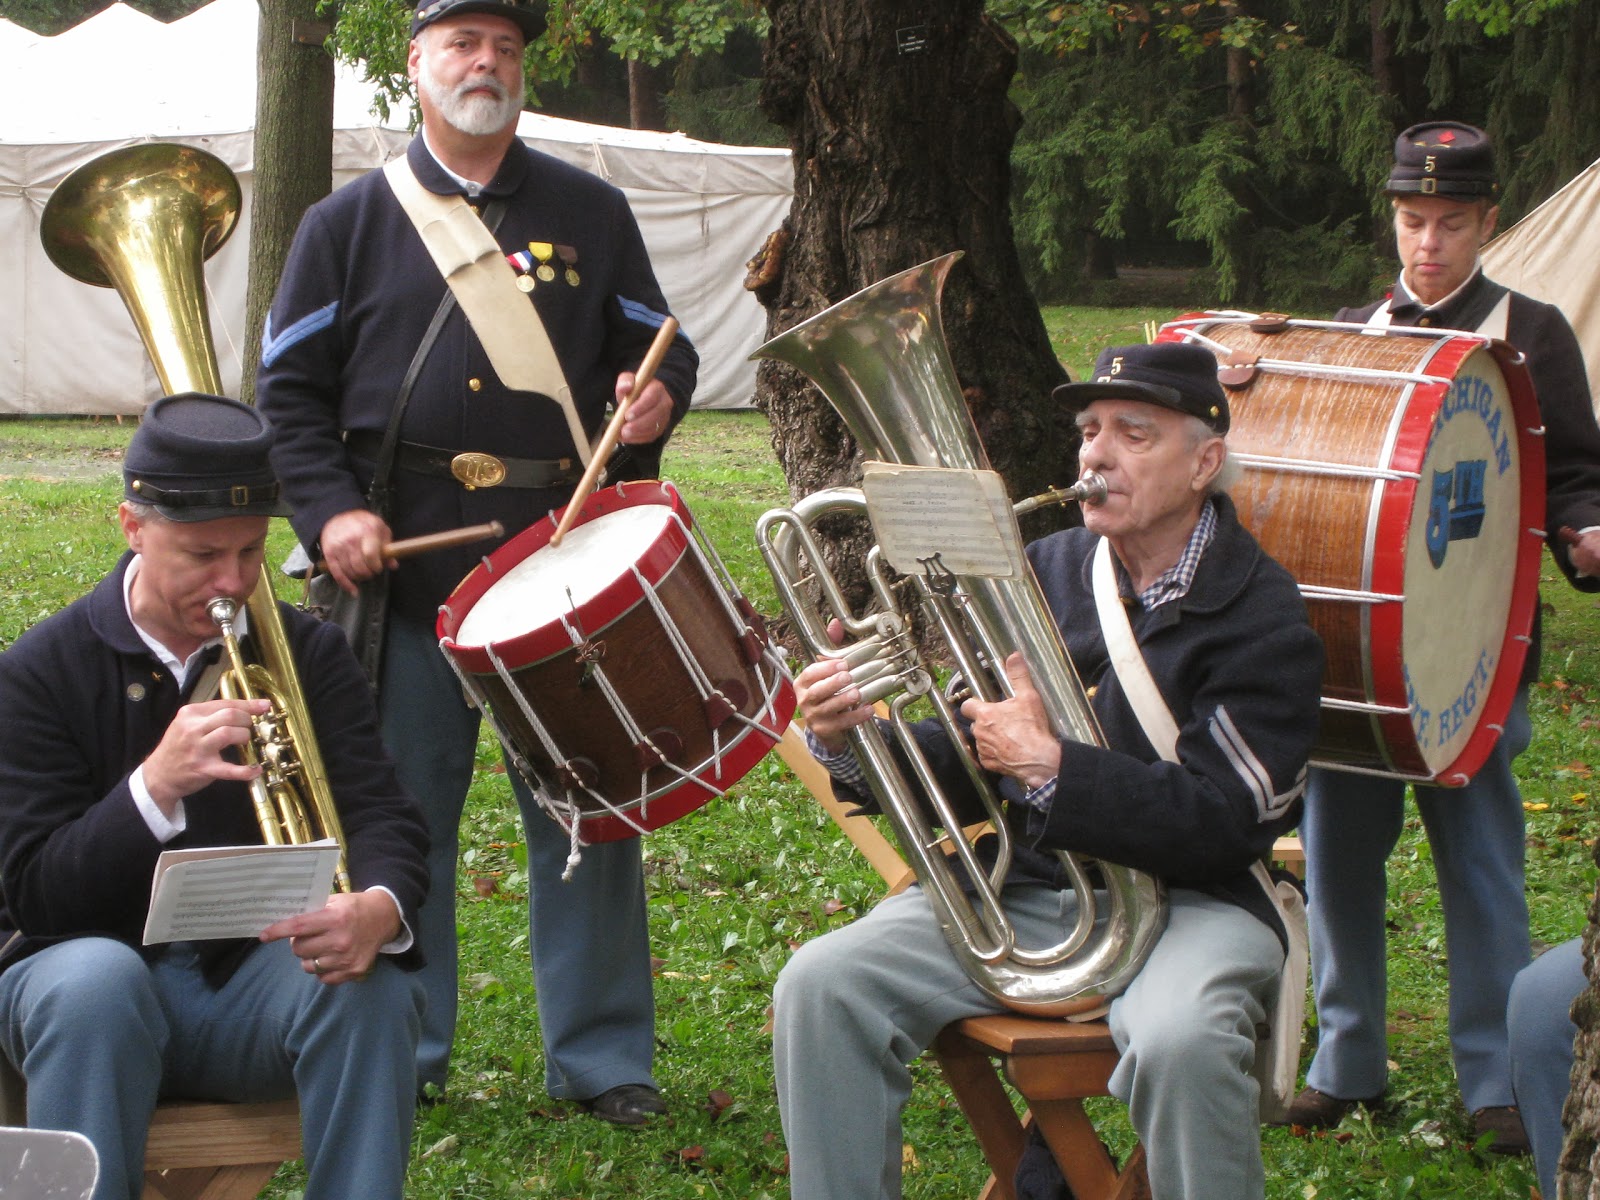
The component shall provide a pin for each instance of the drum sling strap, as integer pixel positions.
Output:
(1277, 1062)
(475, 267)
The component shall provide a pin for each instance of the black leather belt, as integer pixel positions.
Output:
(470, 468)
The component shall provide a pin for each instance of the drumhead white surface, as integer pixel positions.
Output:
(555, 580)
(1460, 555)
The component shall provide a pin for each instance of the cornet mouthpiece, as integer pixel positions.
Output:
(222, 610)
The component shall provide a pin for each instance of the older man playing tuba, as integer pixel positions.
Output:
(1224, 633)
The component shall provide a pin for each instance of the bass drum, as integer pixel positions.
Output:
(1399, 476)
(627, 679)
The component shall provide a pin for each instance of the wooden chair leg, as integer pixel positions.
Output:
(987, 1107)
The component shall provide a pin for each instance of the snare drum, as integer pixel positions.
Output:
(1399, 476)
(627, 679)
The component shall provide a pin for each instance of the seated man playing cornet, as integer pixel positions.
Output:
(113, 752)
(1224, 633)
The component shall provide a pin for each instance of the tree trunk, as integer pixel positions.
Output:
(898, 118)
(646, 104)
(1579, 1167)
(293, 151)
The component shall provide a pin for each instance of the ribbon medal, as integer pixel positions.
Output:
(569, 258)
(521, 262)
(543, 252)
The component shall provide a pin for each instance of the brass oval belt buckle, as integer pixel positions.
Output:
(476, 470)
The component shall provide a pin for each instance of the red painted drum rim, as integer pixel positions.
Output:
(611, 602)
(1399, 529)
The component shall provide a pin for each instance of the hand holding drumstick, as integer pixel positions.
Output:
(608, 440)
(391, 552)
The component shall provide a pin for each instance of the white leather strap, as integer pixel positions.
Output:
(1278, 1060)
(505, 320)
(1134, 673)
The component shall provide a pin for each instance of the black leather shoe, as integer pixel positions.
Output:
(1504, 1124)
(1312, 1109)
(627, 1104)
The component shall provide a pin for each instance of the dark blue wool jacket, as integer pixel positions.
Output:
(83, 702)
(1241, 670)
(354, 302)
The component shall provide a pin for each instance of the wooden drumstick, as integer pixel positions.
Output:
(443, 540)
(608, 440)
(1567, 536)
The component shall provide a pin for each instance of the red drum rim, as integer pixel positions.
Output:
(749, 747)
(1388, 567)
(611, 602)
(1389, 688)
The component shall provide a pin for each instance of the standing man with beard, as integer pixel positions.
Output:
(348, 341)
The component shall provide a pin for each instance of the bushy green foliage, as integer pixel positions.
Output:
(1260, 133)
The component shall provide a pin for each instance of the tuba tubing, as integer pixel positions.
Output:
(880, 358)
(141, 220)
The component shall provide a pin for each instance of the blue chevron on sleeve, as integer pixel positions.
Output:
(274, 345)
(641, 313)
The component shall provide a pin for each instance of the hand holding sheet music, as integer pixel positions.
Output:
(236, 891)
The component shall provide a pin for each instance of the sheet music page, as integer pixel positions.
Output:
(965, 517)
(236, 891)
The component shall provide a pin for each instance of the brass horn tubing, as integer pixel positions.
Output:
(1090, 489)
(235, 685)
(277, 659)
(782, 535)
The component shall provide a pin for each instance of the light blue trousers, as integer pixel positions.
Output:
(99, 1035)
(589, 937)
(1541, 1031)
(1476, 833)
(854, 1007)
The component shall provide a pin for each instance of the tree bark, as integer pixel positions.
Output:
(898, 118)
(293, 152)
(647, 107)
(1579, 1166)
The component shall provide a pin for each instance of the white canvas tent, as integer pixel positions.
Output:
(1553, 254)
(66, 347)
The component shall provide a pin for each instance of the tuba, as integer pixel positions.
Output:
(880, 358)
(142, 220)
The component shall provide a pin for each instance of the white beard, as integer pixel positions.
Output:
(465, 108)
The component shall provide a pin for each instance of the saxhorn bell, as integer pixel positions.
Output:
(142, 220)
(880, 358)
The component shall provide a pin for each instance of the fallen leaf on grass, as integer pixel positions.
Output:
(484, 885)
(445, 1147)
(718, 1102)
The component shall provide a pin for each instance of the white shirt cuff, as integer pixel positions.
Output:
(403, 941)
(161, 828)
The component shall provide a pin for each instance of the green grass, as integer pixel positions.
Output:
(734, 886)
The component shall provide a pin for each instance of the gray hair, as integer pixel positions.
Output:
(142, 511)
(1228, 474)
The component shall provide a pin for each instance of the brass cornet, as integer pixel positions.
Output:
(292, 799)
(142, 220)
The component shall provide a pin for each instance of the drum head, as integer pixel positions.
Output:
(1397, 476)
(558, 580)
(1459, 557)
